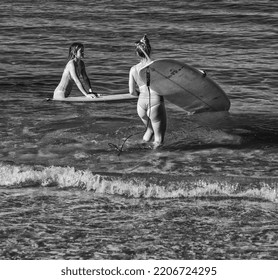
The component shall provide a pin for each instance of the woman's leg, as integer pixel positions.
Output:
(159, 122)
(147, 122)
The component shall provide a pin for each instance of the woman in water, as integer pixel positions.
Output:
(150, 106)
(72, 72)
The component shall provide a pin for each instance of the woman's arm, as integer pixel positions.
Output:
(72, 70)
(86, 79)
(132, 83)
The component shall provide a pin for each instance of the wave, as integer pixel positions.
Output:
(135, 185)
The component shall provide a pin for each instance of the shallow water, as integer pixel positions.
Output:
(67, 193)
(79, 225)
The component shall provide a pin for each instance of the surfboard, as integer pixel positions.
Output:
(102, 98)
(185, 86)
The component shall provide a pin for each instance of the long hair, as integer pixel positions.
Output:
(73, 49)
(143, 47)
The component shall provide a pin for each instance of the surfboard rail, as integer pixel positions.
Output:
(102, 98)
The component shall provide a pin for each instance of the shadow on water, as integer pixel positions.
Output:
(220, 129)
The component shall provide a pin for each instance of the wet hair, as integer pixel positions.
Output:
(73, 49)
(143, 46)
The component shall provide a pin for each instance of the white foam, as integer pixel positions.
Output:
(131, 186)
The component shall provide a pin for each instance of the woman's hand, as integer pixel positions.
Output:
(92, 95)
(95, 95)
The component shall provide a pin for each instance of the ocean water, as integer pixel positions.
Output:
(73, 186)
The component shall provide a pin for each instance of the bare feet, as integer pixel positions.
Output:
(157, 145)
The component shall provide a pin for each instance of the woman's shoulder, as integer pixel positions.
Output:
(132, 67)
(135, 68)
(74, 64)
(132, 70)
(70, 63)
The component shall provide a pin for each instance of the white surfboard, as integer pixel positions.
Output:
(102, 98)
(185, 86)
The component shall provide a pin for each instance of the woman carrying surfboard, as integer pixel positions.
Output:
(74, 69)
(150, 105)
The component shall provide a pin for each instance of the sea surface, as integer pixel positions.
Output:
(73, 186)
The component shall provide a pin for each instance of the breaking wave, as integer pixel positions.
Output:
(136, 185)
